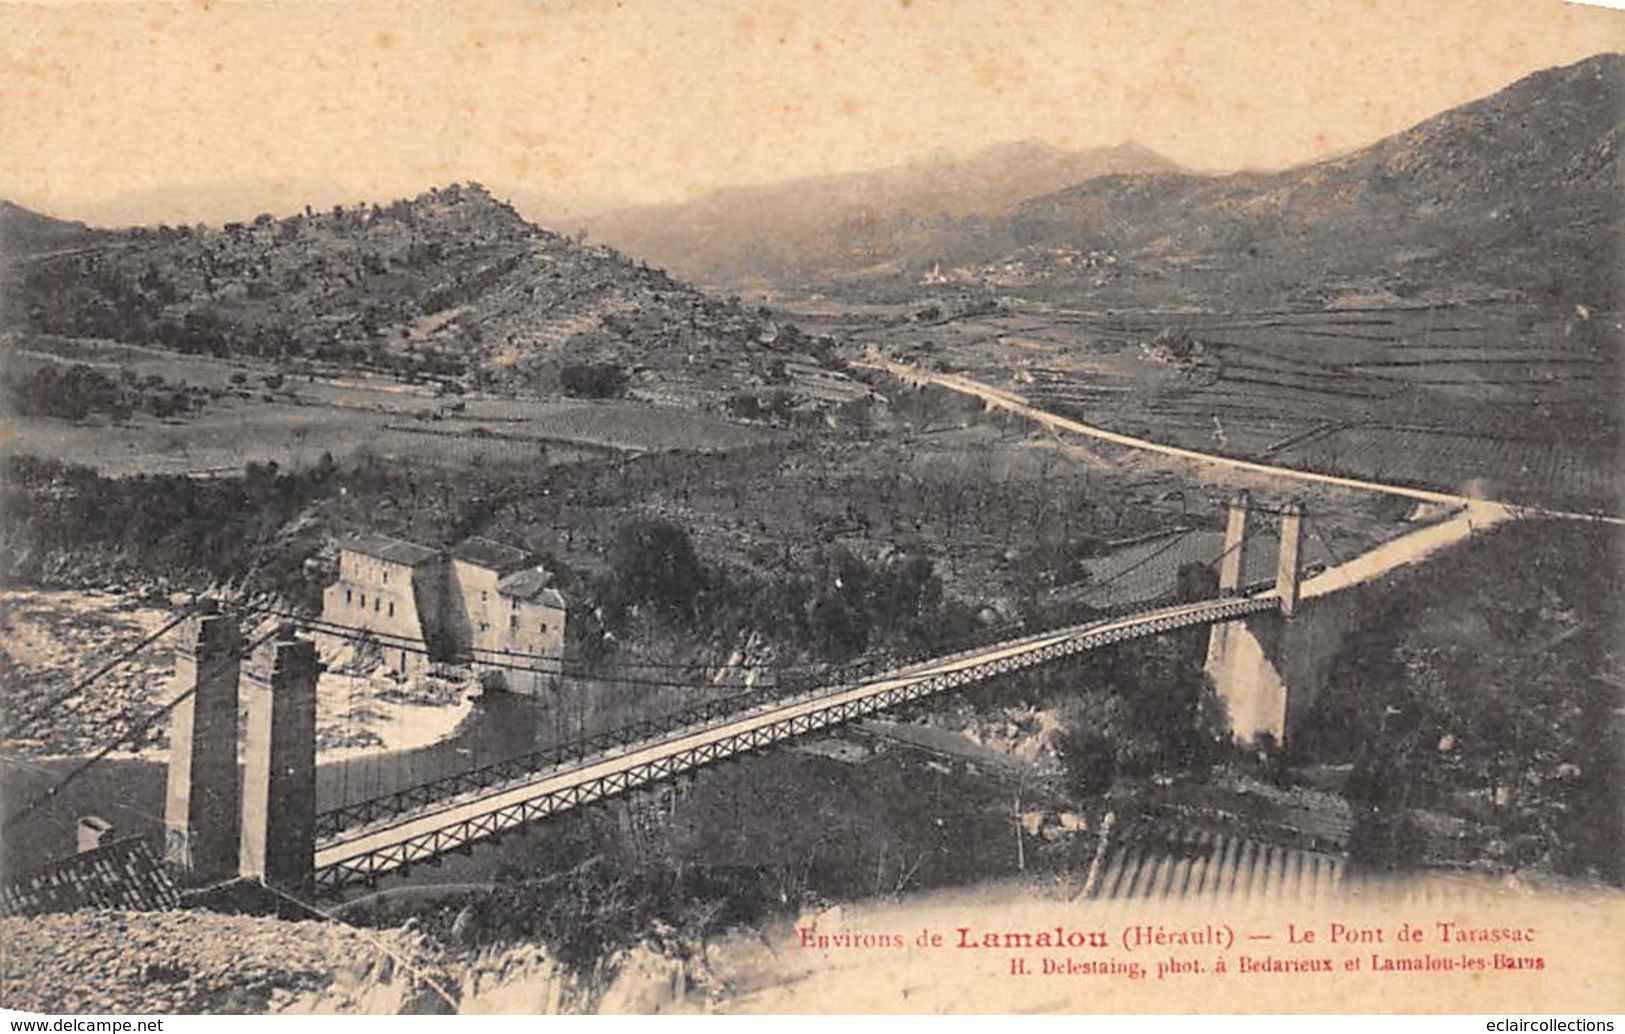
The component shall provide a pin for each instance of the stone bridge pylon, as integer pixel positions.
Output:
(253, 813)
(1268, 667)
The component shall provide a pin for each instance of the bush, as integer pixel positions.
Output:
(653, 562)
(593, 380)
(1089, 758)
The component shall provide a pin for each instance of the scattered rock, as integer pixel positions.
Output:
(195, 962)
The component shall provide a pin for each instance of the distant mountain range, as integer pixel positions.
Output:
(819, 226)
(1519, 192)
(212, 202)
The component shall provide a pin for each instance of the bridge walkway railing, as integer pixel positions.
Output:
(528, 799)
(359, 814)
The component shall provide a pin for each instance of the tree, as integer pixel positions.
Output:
(653, 562)
(1197, 581)
(1101, 739)
(839, 629)
(593, 380)
(1089, 758)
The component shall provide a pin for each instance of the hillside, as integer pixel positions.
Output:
(817, 226)
(1518, 192)
(23, 232)
(450, 285)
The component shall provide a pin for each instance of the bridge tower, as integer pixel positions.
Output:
(202, 805)
(1245, 677)
(279, 784)
(1289, 562)
(1235, 538)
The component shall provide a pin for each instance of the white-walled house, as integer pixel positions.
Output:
(530, 623)
(483, 603)
(393, 588)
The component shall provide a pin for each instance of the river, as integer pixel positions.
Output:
(130, 792)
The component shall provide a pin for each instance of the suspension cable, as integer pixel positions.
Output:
(14, 728)
(1173, 541)
(139, 729)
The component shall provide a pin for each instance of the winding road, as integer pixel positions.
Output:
(1013, 403)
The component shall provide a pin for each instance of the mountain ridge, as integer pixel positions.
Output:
(27, 232)
(803, 225)
(1517, 191)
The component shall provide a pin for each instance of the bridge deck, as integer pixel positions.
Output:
(360, 856)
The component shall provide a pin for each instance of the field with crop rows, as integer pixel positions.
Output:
(1496, 398)
(1577, 474)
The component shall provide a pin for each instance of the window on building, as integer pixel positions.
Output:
(544, 628)
(349, 597)
(484, 595)
(375, 602)
(363, 601)
(386, 577)
(513, 623)
(391, 608)
(484, 627)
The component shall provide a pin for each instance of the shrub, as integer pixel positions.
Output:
(593, 380)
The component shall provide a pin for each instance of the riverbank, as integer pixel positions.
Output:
(52, 640)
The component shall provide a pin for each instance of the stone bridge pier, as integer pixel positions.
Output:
(202, 805)
(1268, 668)
(242, 805)
(278, 843)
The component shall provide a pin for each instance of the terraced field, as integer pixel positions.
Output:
(1577, 474)
(1495, 398)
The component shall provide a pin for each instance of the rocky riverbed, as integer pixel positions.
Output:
(202, 962)
(51, 639)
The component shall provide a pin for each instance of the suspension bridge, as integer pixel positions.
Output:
(417, 832)
(269, 826)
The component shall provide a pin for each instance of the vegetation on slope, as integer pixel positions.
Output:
(1490, 692)
(451, 286)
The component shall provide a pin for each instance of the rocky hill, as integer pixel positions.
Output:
(817, 226)
(451, 285)
(1518, 192)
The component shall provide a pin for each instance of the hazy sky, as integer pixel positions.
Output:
(266, 105)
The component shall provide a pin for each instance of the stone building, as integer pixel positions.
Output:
(395, 589)
(500, 608)
(529, 621)
(483, 603)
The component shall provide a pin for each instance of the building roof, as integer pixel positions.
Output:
(493, 556)
(533, 584)
(392, 550)
(124, 874)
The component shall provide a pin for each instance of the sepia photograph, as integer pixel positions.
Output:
(812, 506)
